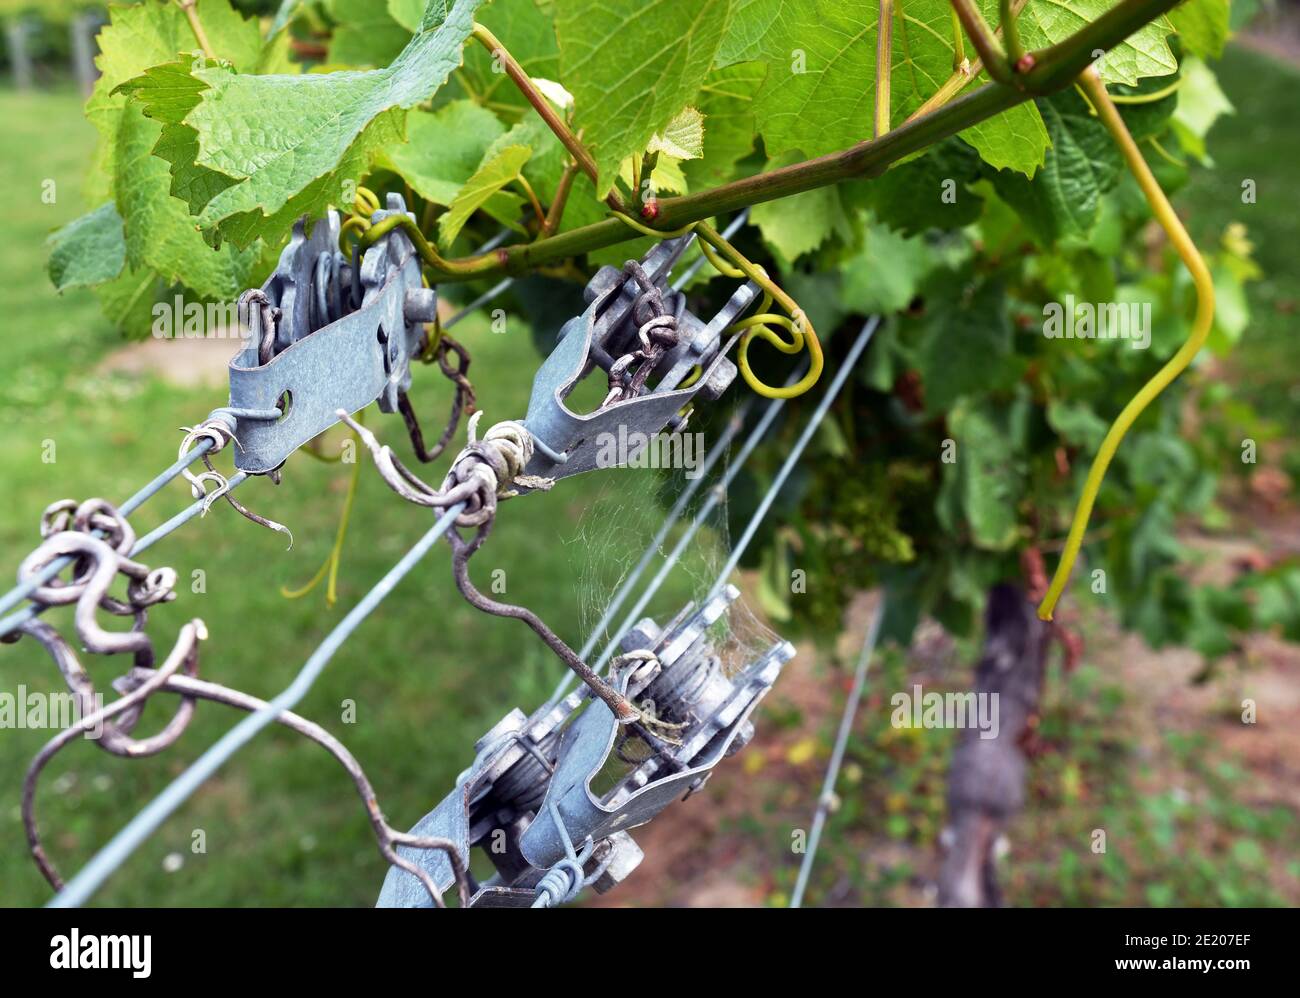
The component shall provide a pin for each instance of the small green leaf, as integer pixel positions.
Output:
(366, 35)
(681, 138)
(491, 177)
(127, 301)
(160, 233)
(1077, 423)
(885, 275)
(89, 250)
(1200, 103)
(799, 224)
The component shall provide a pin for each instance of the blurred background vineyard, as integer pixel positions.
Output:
(1199, 809)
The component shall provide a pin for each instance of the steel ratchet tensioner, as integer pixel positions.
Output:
(539, 787)
(569, 443)
(327, 333)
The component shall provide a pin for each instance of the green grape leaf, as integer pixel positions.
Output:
(407, 13)
(127, 301)
(1200, 103)
(820, 88)
(528, 35)
(1083, 163)
(886, 274)
(987, 475)
(89, 250)
(160, 232)
(666, 178)
(1077, 423)
(502, 169)
(152, 232)
(367, 35)
(930, 192)
(727, 102)
(522, 26)
(1203, 26)
(283, 15)
(288, 143)
(750, 22)
(631, 67)
(799, 224)
(444, 148)
(1143, 53)
(144, 35)
(966, 343)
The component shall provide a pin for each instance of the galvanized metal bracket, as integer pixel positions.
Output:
(361, 353)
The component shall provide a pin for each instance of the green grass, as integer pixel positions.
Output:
(428, 674)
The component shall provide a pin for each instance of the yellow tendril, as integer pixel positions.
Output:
(330, 566)
(366, 202)
(354, 224)
(716, 250)
(1182, 242)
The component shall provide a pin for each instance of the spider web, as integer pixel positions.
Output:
(624, 515)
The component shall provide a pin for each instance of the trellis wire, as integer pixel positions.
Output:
(24, 589)
(837, 754)
(16, 620)
(146, 822)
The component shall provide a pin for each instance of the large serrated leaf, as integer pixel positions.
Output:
(153, 233)
(288, 143)
(632, 65)
(145, 35)
(1143, 53)
(160, 232)
(819, 93)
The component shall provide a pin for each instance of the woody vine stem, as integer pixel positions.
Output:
(947, 113)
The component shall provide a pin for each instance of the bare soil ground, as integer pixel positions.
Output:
(706, 852)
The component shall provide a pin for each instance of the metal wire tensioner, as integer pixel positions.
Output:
(532, 791)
